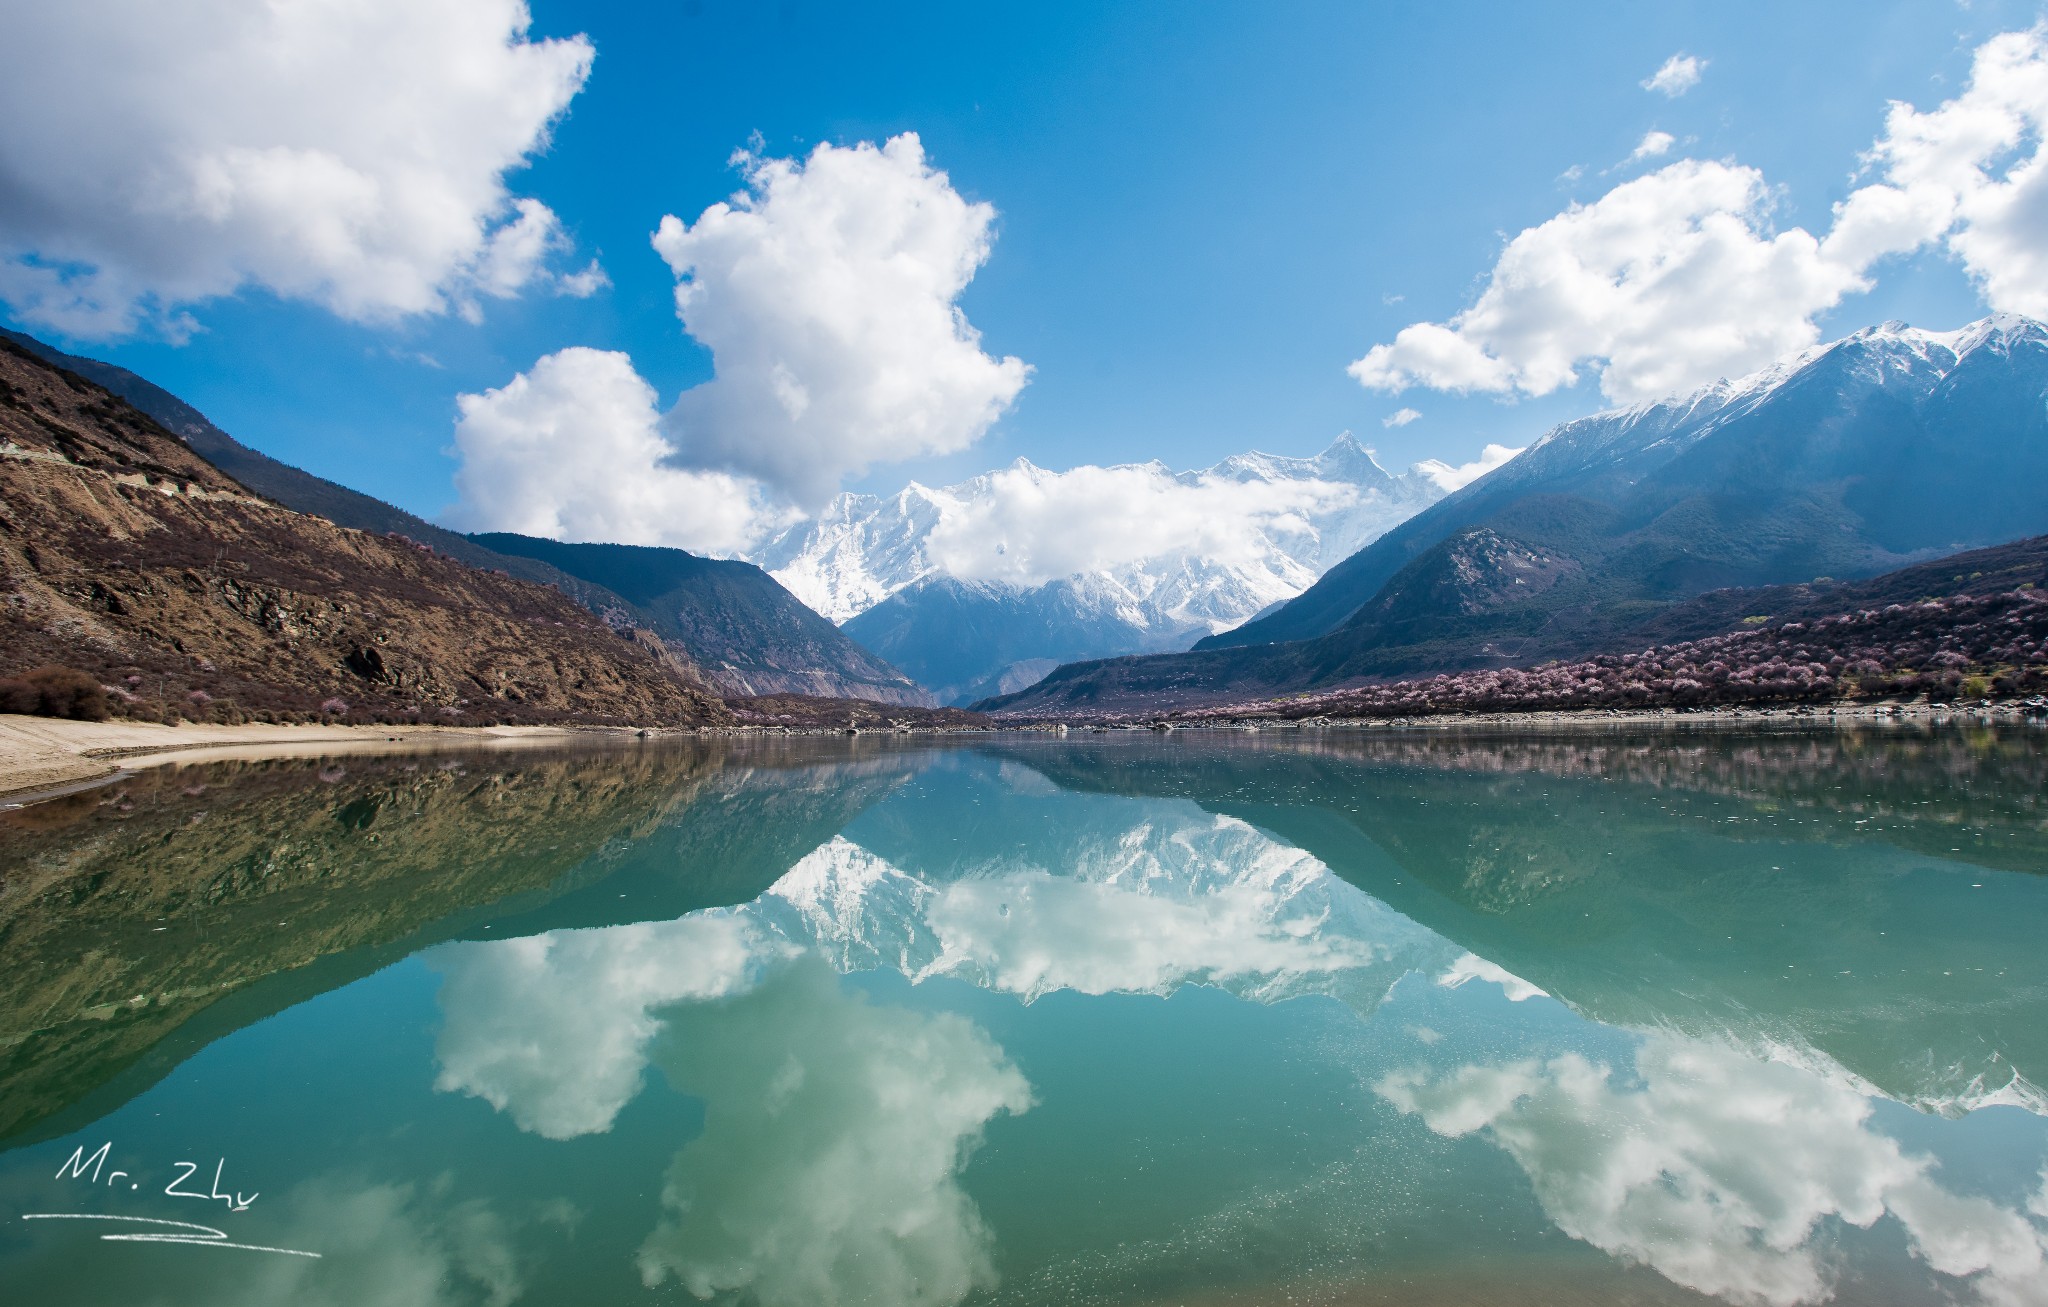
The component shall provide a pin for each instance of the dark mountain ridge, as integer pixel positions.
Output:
(749, 634)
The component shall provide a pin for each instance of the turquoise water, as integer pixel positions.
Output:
(1291, 1017)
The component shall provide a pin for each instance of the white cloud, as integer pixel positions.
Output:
(1653, 145)
(1400, 417)
(1450, 478)
(584, 284)
(1666, 282)
(826, 293)
(349, 155)
(1034, 526)
(1676, 278)
(572, 450)
(553, 1029)
(834, 1134)
(1718, 1169)
(1972, 173)
(1676, 75)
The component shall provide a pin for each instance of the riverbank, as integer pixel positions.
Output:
(41, 755)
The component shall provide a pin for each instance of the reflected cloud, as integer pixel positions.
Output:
(834, 1134)
(553, 1029)
(1718, 1169)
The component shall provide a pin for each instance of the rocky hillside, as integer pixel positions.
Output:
(751, 636)
(747, 634)
(1855, 458)
(125, 553)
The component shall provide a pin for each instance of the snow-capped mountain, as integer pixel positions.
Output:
(1888, 447)
(983, 586)
(1853, 457)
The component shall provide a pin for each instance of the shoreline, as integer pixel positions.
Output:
(45, 757)
(48, 757)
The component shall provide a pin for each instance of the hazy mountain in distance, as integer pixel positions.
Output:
(874, 564)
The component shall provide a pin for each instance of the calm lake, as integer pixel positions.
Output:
(1287, 1017)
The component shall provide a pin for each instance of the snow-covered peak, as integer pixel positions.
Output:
(1888, 352)
(1304, 516)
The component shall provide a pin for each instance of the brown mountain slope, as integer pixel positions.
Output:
(743, 630)
(124, 553)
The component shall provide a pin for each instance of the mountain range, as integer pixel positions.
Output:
(885, 568)
(744, 632)
(1890, 446)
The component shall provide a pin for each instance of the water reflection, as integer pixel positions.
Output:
(1095, 1021)
(1718, 1167)
(382, 1244)
(553, 1029)
(834, 1133)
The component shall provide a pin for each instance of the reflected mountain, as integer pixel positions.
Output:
(1730, 1160)
(1228, 1019)
(1769, 888)
(144, 919)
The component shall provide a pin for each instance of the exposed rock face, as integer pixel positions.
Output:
(125, 553)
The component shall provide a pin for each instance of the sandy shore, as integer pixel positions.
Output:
(43, 754)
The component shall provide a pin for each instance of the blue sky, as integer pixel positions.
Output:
(1205, 211)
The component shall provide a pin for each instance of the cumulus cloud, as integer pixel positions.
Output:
(1034, 526)
(1717, 1168)
(1449, 478)
(572, 450)
(1675, 76)
(1971, 173)
(1677, 278)
(1400, 417)
(553, 1029)
(1666, 282)
(835, 1131)
(349, 155)
(1653, 145)
(826, 293)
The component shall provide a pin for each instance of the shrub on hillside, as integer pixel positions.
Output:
(55, 692)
